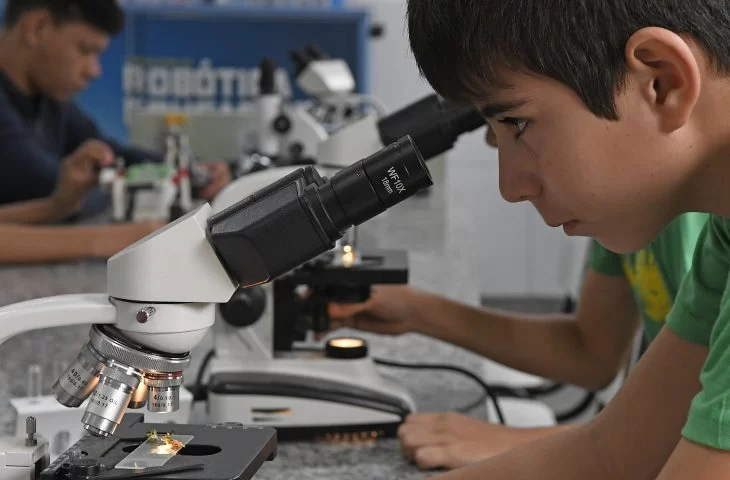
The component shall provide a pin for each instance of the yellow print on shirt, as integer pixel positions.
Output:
(646, 278)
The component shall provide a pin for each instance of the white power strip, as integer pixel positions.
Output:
(62, 425)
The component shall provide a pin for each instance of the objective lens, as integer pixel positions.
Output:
(108, 402)
(78, 381)
(139, 398)
(164, 392)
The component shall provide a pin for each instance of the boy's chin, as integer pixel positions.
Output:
(624, 242)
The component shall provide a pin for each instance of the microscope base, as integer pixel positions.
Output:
(309, 398)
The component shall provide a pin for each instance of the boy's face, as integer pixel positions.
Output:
(66, 58)
(611, 180)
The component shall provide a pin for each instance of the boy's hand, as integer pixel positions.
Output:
(387, 311)
(451, 440)
(79, 172)
(108, 240)
(220, 176)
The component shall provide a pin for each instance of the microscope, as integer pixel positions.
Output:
(161, 301)
(259, 374)
(288, 133)
(157, 191)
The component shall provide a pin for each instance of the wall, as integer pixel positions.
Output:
(519, 255)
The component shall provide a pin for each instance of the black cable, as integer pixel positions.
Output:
(577, 410)
(450, 368)
(199, 392)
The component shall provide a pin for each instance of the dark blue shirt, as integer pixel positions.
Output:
(36, 133)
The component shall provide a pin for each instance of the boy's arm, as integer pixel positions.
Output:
(77, 175)
(631, 439)
(691, 461)
(24, 244)
(43, 210)
(585, 349)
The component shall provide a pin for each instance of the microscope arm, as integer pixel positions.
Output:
(61, 310)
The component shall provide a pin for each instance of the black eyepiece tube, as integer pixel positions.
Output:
(374, 184)
(433, 123)
(267, 81)
(302, 215)
(316, 52)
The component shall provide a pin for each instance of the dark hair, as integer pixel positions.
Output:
(105, 15)
(463, 46)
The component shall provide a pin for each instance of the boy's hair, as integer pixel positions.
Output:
(465, 46)
(104, 15)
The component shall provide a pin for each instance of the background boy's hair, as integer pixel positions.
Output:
(464, 46)
(104, 15)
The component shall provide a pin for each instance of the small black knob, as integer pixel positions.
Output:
(377, 30)
(296, 149)
(85, 467)
(282, 124)
(245, 307)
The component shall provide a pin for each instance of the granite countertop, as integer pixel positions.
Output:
(435, 229)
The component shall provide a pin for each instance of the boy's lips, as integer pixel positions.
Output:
(559, 224)
(567, 225)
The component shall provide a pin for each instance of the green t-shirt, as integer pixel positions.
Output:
(656, 271)
(702, 315)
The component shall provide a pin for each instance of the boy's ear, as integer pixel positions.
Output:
(664, 68)
(490, 137)
(34, 25)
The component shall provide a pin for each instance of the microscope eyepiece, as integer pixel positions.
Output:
(302, 215)
(316, 52)
(434, 124)
(380, 181)
(267, 80)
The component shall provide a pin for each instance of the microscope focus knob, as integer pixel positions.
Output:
(282, 124)
(245, 307)
(84, 468)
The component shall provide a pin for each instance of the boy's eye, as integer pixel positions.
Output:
(519, 124)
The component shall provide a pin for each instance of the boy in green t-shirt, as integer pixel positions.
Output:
(611, 118)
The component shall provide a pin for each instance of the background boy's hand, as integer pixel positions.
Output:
(452, 440)
(388, 311)
(79, 172)
(220, 177)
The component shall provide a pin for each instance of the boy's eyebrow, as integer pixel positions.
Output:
(491, 110)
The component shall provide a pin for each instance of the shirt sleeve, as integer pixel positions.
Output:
(82, 128)
(604, 261)
(701, 315)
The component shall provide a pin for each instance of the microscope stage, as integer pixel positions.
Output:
(216, 452)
